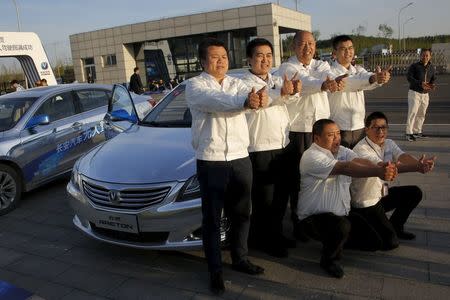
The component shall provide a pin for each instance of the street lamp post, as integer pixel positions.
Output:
(399, 12)
(17, 14)
(404, 40)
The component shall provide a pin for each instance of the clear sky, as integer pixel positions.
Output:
(55, 20)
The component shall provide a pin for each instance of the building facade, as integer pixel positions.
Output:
(167, 48)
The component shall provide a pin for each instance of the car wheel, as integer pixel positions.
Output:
(10, 189)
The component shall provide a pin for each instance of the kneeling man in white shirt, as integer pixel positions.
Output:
(323, 208)
(372, 197)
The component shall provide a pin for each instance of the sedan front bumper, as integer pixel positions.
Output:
(168, 225)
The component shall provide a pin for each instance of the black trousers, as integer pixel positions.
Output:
(225, 185)
(299, 143)
(349, 139)
(269, 184)
(336, 231)
(401, 199)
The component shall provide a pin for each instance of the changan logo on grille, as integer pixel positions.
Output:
(114, 197)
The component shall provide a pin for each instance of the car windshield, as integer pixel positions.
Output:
(171, 112)
(12, 110)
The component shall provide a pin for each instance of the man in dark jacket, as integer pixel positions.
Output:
(136, 83)
(421, 78)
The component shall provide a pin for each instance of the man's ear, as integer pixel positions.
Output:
(366, 130)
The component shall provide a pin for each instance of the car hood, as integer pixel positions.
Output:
(142, 155)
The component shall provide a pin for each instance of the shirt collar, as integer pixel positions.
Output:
(338, 66)
(269, 80)
(323, 150)
(294, 60)
(211, 78)
(376, 147)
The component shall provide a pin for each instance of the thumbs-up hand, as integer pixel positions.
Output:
(253, 101)
(291, 86)
(329, 85)
(389, 171)
(263, 97)
(297, 85)
(425, 165)
(383, 76)
(288, 86)
(341, 82)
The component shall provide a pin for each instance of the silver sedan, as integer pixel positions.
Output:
(140, 188)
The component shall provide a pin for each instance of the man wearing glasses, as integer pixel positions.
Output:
(372, 197)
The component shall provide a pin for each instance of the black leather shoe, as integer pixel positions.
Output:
(245, 266)
(332, 268)
(217, 286)
(405, 235)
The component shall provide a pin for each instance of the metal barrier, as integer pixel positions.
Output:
(401, 60)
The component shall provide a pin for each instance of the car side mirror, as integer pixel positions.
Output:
(38, 120)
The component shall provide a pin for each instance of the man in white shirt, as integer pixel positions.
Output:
(324, 199)
(347, 107)
(309, 107)
(220, 140)
(372, 197)
(268, 129)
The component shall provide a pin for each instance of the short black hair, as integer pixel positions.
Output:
(300, 32)
(319, 125)
(208, 42)
(14, 81)
(256, 43)
(426, 49)
(135, 69)
(373, 116)
(339, 39)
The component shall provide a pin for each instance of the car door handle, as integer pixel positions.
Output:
(77, 125)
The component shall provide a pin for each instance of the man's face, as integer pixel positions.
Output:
(305, 47)
(377, 132)
(330, 138)
(425, 57)
(261, 61)
(216, 63)
(345, 53)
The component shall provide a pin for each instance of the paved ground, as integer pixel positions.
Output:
(41, 251)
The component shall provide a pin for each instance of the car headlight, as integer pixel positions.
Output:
(76, 177)
(190, 190)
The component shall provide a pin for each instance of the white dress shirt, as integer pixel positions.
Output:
(268, 127)
(219, 127)
(368, 191)
(320, 192)
(312, 105)
(347, 108)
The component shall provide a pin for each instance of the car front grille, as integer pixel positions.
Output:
(129, 198)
